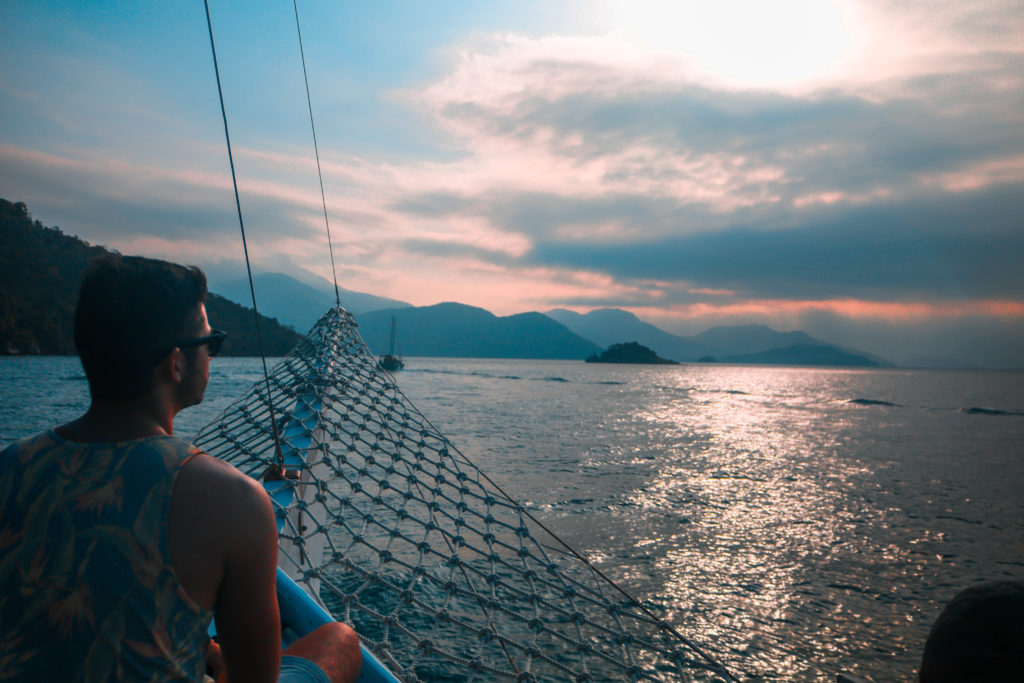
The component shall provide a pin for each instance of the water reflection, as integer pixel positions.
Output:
(761, 498)
(774, 529)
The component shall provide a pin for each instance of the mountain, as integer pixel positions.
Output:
(736, 340)
(457, 330)
(805, 354)
(296, 303)
(40, 271)
(607, 326)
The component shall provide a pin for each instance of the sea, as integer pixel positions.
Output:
(794, 522)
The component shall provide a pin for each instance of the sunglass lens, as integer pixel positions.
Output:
(213, 346)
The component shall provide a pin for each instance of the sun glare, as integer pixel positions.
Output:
(751, 42)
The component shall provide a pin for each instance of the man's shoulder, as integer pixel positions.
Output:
(202, 462)
(47, 434)
(203, 475)
(22, 448)
(233, 509)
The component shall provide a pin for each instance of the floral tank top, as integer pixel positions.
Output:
(87, 591)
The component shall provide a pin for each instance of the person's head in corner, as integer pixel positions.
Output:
(131, 313)
(979, 637)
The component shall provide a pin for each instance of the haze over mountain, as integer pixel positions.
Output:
(804, 354)
(738, 340)
(296, 303)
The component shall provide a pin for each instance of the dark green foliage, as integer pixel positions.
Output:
(40, 270)
(240, 325)
(629, 352)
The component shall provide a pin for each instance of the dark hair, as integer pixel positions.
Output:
(130, 309)
(979, 637)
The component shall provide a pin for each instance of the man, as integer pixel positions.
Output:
(119, 542)
(979, 637)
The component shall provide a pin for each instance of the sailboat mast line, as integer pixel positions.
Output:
(316, 151)
(245, 247)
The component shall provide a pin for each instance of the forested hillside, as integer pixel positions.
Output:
(40, 270)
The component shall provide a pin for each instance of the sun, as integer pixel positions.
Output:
(752, 42)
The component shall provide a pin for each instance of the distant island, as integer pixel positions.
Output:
(629, 352)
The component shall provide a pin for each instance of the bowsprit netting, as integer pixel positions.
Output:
(400, 535)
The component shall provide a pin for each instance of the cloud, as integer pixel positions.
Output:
(936, 247)
(180, 212)
(607, 127)
(975, 338)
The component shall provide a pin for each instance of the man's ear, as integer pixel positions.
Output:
(172, 367)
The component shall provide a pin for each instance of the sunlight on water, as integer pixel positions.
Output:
(793, 518)
(763, 495)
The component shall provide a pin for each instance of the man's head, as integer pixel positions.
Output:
(131, 312)
(978, 637)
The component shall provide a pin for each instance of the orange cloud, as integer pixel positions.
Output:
(847, 308)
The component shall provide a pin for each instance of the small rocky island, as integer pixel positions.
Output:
(629, 352)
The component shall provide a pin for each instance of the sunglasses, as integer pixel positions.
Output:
(212, 341)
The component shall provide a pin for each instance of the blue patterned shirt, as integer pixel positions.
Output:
(87, 590)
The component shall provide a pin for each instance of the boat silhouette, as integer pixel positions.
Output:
(392, 361)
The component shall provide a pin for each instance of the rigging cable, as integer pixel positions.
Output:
(309, 103)
(316, 150)
(252, 289)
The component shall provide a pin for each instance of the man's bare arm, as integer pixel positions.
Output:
(224, 548)
(248, 621)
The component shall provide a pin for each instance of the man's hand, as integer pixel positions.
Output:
(215, 663)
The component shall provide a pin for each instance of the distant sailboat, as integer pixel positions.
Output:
(391, 361)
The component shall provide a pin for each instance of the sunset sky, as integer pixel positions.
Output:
(852, 169)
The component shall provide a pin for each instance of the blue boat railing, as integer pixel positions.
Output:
(300, 614)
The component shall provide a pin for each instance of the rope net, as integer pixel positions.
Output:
(402, 537)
